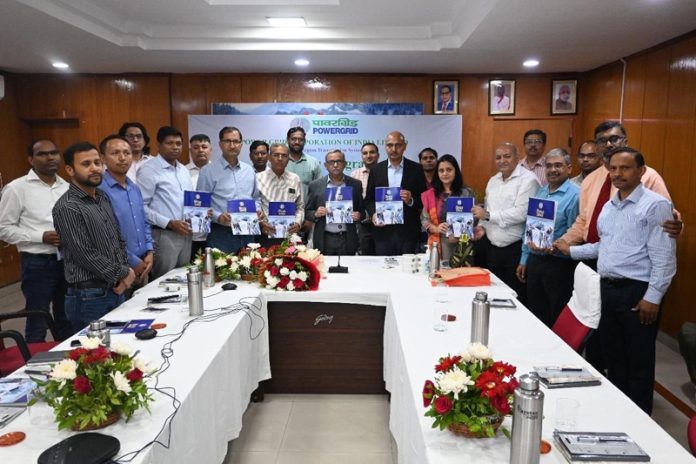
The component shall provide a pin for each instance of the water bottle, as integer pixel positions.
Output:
(209, 268)
(98, 329)
(434, 261)
(480, 318)
(195, 292)
(526, 421)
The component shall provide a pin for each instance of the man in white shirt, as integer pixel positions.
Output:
(502, 218)
(200, 151)
(27, 222)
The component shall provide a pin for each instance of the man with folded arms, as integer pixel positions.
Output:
(162, 181)
(636, 262)
(503, 216)
(127, 204)
(26, 221)
(278, 184)
(549, 275)
(96, 262)
(227, 178)
(334, 239)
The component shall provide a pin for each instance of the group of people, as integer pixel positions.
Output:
(86, 244)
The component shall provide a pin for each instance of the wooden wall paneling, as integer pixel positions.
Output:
(258, 88)
(223, 88)
(477, 133)
(601, 96)
(42, 96)
(188, 96)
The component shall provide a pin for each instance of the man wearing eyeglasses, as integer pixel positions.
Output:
(589, 160)
(335, 230)
(162, 181)
(397, 171)
(26, 221)
(534, 145)
(226, 179)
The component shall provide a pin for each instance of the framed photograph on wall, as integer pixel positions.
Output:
(446, 97)
(564, 96)
(501, 97)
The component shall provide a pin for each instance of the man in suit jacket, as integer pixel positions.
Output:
(397, 171)
(334, 238)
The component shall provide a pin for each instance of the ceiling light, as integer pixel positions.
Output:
(60, 65)
(531, 63)
(287, 22)
(301, 62)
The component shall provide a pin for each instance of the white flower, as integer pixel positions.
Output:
(253, 246)
(267, 274)
(284, 271)
(466, 356)
(272, 281)
(143, 366)
(293, 274)
(300, 248)
(64, 370)
(302, 276)
(121, 382)
(278, 261)
(255, 255)
(121, 348)
(197, 261)
(220, 262)
(90, 343)
(294, 238)
(246, 261)
(479, 351)
(290, 286)
(234, 267)
(216, 250)
(454, 381)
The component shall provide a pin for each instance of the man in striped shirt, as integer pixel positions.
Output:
(96, 262)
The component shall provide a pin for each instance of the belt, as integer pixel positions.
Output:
(95, 283)
(337, 234)
(40, 255)
(620, 281)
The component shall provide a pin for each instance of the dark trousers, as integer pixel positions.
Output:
(628, 345)
(337, 245)
(197, 247)
(549, 286)
(367, 243)
(89, 304)
(394, 241)
(502, 261)
(221, 237)
(43, 286)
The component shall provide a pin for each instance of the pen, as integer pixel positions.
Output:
(565, 369)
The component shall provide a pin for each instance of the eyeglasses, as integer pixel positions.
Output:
(233, 142)
(335, 162)
(534, 142)
(134, 136)
(614, 139)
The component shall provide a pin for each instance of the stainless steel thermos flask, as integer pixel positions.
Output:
(195, 292)
(480, 318)
(209, 268)
(526, 421)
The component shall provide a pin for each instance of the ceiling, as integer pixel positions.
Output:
(372, 36)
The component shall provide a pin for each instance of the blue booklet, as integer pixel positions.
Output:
(389, 208)
(244, 220)
(339, 205)
(459, 217)
(541, 218)
(196, 206)
(280, 215)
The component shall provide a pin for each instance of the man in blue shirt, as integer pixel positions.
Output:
(636, 261)
(226, 179)
(127, 203)
(549, 276)
(163, 181)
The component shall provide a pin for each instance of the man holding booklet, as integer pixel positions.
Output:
(552, 210)
(334, 206)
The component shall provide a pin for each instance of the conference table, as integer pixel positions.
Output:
(222, 356)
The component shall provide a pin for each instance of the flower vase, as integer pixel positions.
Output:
(110, 419)
(462, 430)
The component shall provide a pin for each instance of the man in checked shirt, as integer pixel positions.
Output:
(96, 263)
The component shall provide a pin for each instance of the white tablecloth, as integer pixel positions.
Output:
(216, 367)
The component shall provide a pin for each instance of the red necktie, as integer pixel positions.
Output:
(592, 234)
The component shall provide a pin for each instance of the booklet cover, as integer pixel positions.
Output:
(389, 208)
(16, 391)
(541, 217)
(459, 216)
(196, 206)
(566, 376)
(243, 216)
(339, 205)
(280, 215)
(599, 446)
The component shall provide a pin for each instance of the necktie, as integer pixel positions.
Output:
(592, 234)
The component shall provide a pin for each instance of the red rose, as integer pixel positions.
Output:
(97, 355)
(428, 393)
(134, 375)
(284, 281)
(262, 250)
(443, 405)
(500, 403)
(77, 353)
(81, 385)
(274, 271)
(298, 284)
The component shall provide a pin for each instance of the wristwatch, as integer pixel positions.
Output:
(488, 216)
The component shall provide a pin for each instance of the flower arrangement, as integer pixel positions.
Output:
(289, 273)
(94, 383)
(472, 390)
(250, 258)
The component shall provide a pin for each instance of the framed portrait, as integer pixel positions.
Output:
(564, 96)
(446, 97)
(501, 97)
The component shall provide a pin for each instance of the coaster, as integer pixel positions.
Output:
(158, 325)
(544, 447)
(12, 438)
